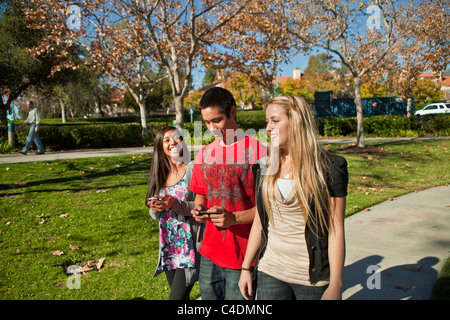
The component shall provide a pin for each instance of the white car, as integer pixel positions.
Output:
(434, 108)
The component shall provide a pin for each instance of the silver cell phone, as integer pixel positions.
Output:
(154, 198)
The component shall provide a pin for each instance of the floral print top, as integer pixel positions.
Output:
(177, 247)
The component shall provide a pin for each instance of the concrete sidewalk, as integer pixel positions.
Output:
(72, 154)
(407, 238)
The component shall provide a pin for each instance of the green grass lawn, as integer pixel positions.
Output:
(68, 212)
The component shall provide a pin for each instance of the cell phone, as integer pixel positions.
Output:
(201, 213)
(154, 198)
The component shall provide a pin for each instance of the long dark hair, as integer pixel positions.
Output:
(161, 165)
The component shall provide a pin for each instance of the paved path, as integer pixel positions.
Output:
(408, 238)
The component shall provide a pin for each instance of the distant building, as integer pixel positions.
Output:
(297, 74)
(114, 107)
(443, 79)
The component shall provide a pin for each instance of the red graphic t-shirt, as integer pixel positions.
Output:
(224, 176)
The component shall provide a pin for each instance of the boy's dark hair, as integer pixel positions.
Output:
(219, 98)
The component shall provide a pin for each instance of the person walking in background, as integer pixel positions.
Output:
(170, 203)
(298, 231)
(33, 120)
(225, 196)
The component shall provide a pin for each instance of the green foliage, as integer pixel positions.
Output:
(441, 289)
(319, 64)
(19, 68)
(160, 96)
(387, 126)
(4, 145)
(336, 127)
(67, 137)
(209, 77)
(427, 90)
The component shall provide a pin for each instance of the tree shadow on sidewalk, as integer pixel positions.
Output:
(401, 282)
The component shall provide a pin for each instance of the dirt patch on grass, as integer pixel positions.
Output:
(372, 150)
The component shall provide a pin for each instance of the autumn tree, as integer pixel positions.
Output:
(363, 35)
(254, 44)
(430, 21)
(113, 35)
(20, 68)
(246, 91)
(181, 32)
(429, 49)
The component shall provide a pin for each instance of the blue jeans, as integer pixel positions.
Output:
(270, 288)
(217, 283)
(33, 136)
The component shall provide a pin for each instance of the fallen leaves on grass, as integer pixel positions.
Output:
(85, 267)
(57, 253)
(74, 247)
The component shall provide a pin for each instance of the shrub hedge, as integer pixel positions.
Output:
(67, 137)
(123, 133)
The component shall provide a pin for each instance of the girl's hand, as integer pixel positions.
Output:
(245, 284)
(332, 293)
(165, 203)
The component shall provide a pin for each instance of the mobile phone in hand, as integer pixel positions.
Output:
(201, 213)
(154, 198)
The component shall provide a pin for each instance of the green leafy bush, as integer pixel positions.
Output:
(66, 137)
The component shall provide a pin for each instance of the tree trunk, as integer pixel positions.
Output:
(408, 108)
(63, 111)
(178, 101)
(359, 112)
(3, 113)
(144, 126)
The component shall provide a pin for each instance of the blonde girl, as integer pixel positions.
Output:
(297, 235)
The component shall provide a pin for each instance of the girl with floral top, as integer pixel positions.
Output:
(170, 203)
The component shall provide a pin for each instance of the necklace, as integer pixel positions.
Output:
(287, 174)
(289, 165)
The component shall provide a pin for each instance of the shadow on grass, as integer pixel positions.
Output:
(123, 171)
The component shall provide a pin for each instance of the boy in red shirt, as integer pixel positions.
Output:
(223, 182)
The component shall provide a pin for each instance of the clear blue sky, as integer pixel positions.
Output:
(299, 61)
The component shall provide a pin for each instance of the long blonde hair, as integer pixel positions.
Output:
(308, 160)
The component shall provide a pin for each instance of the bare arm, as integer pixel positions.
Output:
(254, 241)
(336, 248)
